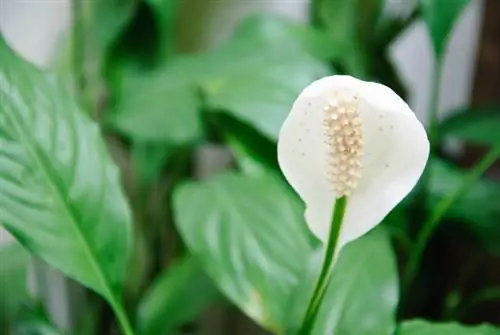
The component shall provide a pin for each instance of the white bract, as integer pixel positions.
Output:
(348, 137)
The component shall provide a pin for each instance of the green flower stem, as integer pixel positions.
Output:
(437, 75)
(440, 210)
(326, 270)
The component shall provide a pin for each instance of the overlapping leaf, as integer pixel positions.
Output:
(60, 193)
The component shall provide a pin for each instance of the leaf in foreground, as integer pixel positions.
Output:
(61, 195)
(249, 234)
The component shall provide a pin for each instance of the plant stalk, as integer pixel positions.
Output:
(326, 270)
(440, 210)
(437, 75)
(420, 206)
(121, 316)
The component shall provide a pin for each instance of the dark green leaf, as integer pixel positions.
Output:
(394, 18)
(166, 11)
(250, 235)
(33, 320)
(477, 209)
(348, 30)
(421, 327)
(108, 21)
(177, 296)
(61, 195)
(149, 159)
(253, 152)
(440, 17)
(13, 283)
(476, 126)
(363, 293)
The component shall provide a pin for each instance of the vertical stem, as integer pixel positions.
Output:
(441, 208)
(121, 316)
(420, 206)
(326, 270)
(78, 47)
(434, 137)
(437, 74)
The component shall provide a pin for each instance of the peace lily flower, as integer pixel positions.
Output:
(351, 139)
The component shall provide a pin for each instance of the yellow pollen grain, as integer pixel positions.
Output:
(343, 136)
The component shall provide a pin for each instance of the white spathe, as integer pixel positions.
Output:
(395, 152)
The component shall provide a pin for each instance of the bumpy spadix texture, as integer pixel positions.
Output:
(347, 137)
(344, 139)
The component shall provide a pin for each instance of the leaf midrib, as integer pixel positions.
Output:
(95, 264)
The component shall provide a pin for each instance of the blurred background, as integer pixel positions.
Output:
(42, 31)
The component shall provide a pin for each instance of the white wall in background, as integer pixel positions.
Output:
(414, 58)
(32, 27)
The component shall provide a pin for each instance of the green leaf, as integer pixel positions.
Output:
(250, 235)
(476, 126)
(61, 195)
(33, 320)
(349, 24)
(108, 20)
(421, 327)
(177, 296)
(254, 153)
(394, 18)
(149, 159)
(440, 18)
(259, 88)
(172, 117)
(363, 294)
(166, 11)
(13, 267)
(476, 210)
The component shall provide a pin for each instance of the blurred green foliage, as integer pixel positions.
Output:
(239, 233)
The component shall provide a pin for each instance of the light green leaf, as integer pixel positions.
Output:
(363, 294)
(421, 327)
(476, 210)
(177, 296)
(249, 234)
(13, 283)
(257, 88)
(440, 18)
(476, 126)
(61, 195)
(172, 117)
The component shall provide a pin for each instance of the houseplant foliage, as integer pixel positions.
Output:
(99, 161)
